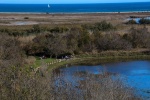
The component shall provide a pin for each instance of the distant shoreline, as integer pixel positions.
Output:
(10, 18)
(130, 12)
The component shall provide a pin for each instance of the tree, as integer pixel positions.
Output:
(85, 42)
(10, 49)
(56, 45)
(71, 42)
(17, 81)
(112, 41)
(138, 37)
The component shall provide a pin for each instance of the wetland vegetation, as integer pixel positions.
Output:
(30, 53)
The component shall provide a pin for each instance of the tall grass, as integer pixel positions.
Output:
(92, 87)
(23, 85)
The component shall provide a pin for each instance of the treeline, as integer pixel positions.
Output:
(37, 29)
(78, 41)
(32, 30)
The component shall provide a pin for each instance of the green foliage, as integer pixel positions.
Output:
(85, 42)
(4, 30)
(78, 40)
(103, 26)
(100, 26)
(36, 28)
(26, 83)
(59, 29)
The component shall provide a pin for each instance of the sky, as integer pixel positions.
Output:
(65, 1)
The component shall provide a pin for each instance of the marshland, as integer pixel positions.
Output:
(95, 56)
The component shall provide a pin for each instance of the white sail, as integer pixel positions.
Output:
(48, 6)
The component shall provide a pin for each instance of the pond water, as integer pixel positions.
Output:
(137, 73)
(23, 23)
(137, 20)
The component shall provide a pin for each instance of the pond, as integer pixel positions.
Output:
(137, 73)
(137, 20)
(24, 23)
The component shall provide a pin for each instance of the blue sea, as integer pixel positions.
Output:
(75, 8)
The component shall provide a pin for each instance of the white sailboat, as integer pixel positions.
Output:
(48, 6)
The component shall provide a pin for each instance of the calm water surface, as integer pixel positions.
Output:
(76, 8)
(137, 74)
(137, 20)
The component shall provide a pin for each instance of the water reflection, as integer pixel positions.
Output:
(136, 72)
(137, 20)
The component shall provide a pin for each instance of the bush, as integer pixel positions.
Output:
(10, 49)
(26, 17)
(144, 21)
(36, 28)
(131, 22)
(104, 26)
(100, 26)
(140, 38)
(112, 41)
(59, 30)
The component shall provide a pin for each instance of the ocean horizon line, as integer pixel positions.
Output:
(71, 3)
(74, 12)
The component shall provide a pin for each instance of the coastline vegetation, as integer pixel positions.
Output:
(80, 40)
(24, 74)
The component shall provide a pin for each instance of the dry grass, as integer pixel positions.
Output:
(30, 60)
(93, 87)
(70, 18)
(26, 39)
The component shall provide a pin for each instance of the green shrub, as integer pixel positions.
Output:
(104, 26)
(36, 28)
(100, 26)
(59, 30)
